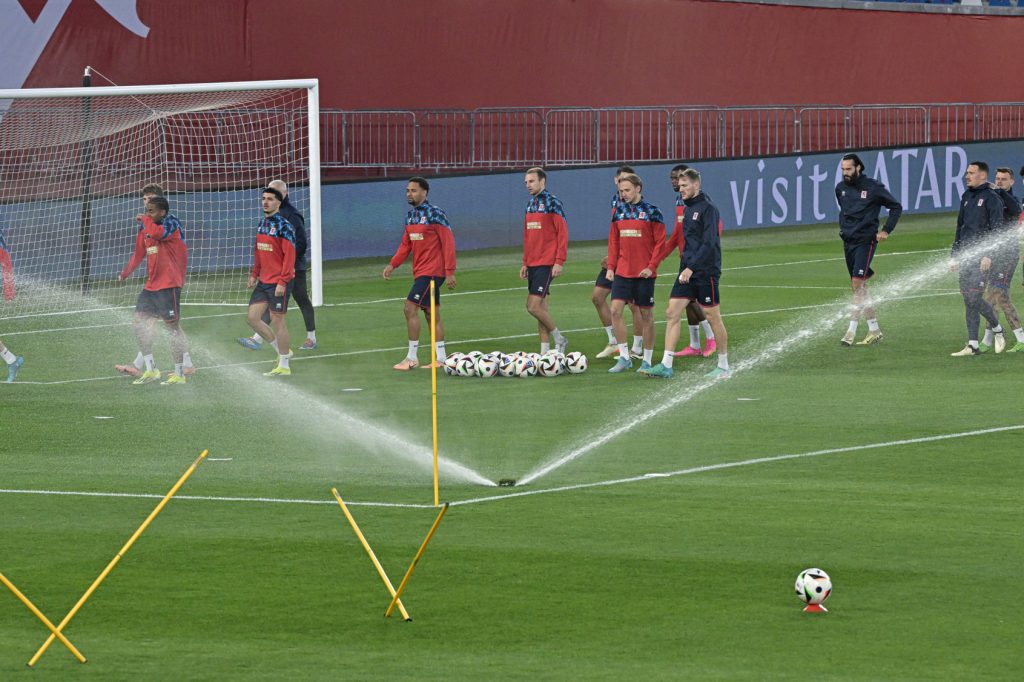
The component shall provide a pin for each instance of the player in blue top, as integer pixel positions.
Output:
(1005, 263)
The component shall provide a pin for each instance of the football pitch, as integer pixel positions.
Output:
(658, 537)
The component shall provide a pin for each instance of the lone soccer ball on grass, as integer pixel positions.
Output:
(813, 586)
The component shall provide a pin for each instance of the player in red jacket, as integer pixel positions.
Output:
(545, 243)
(428, 237)
(272, 279)
(161, 242)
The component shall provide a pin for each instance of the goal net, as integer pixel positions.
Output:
(73, 163)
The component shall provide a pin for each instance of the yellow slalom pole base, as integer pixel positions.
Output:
(373, 557)
(39, 614)
(416, 560)
(113, 562)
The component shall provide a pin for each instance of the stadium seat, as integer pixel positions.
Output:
(1000, 3)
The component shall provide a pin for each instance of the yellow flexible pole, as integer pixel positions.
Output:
(124, 550)
(433, 381)
(369, 550)
(39, 614)
(416, 560)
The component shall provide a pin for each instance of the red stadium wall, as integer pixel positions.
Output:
(476, 53)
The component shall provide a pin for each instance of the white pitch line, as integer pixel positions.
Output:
(395, 349)
(543, 491)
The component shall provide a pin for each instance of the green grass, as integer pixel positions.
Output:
(683, 577)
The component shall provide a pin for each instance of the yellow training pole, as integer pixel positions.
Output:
(433, 381)
(39, 614)
(416, 560)
(373, 557)
(124, 550)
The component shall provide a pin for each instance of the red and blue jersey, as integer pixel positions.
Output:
(428, 237)
(163, 246)
(274, 261)
(545, 232)
(637, 236)
(7, 266)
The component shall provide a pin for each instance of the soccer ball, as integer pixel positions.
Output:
(813, 586)
(451, 364)
(475, 354)
(507, 366)
(576, 363)
(549, 366)
(525, 367)
(465, 367)
(486, 366)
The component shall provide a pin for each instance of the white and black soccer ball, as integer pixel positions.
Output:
(486, 366)
(475, 354)
(451, 364)
(507, 366)
(549, 366)
(525, 367)
(465, 367)
(813, 586)
(576, 363)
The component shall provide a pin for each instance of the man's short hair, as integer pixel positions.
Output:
(633, 178)
(279, 185)
(680, 168)
(1004, 169)
(160, 203)
(153, 188)
(539, 172)
(276, 193)
(422, 182)
(691, 174)
(625, 169)
(857, 163)
(982, 166)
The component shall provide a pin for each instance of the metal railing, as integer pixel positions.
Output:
(494, 138)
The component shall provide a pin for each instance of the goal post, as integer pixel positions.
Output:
(73, 162)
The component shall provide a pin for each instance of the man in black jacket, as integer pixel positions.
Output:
(300, 293)
(981, 214)
(1005, 263)
(860, 200)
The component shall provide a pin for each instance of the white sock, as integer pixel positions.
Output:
(273, 344)
(1019, 333)
(186, 360)
(556, 335)
(139, 362)
(853, 327)
(545, 347)
(723, 361)
(638, 344)
(695, 336)
(709, 334)
(259, 339)
(667, 359)
(439, 349)
(623, 351)
(872, 325)
(998, 329)
(8, 356)
(973, 343)
(414, 347)
(148, 359)
(178, 370)
(311, 336)
(611, 335)
(987, 339)
(282, 361)
(648, 355)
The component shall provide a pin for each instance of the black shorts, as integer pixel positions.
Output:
(603, 281)
(858, 258)
(538, 280)
(638, 290)
(278, 305)
(972, 279)
(420, 292)
(163, 303)
(700, 288)
(1002, 273)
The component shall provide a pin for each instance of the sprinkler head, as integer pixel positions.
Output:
(506, 482)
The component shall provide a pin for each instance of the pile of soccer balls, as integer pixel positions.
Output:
(519, 364)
